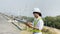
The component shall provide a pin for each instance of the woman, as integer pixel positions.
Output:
(37, 23)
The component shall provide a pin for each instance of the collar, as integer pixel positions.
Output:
(37, 18)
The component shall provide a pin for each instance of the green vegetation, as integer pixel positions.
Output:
(52, 21)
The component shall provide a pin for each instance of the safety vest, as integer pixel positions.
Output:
(35, 23)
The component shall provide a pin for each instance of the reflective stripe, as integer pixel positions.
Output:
(35, 22)
(35, 30)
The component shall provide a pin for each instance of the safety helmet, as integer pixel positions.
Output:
(37, 10)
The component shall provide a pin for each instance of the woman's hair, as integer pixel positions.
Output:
(38, 13)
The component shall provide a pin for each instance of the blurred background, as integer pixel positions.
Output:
(22, 10)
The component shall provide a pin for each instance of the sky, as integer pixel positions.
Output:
(25, 7)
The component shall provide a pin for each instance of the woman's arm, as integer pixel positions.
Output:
(29, 24)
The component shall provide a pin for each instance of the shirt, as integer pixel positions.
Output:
(39, 25)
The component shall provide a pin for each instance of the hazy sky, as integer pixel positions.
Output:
(25, 7)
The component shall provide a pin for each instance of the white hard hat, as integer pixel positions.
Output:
(36, 10)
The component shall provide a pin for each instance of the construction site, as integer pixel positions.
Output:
(19, 16)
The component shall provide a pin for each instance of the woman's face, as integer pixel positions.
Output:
(35, 15)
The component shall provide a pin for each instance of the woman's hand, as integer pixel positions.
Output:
(29, 24)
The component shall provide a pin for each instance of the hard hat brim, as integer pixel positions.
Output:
(38, 13)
